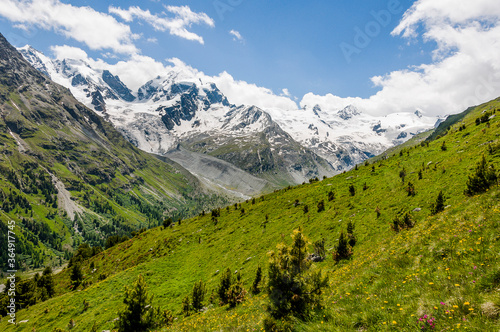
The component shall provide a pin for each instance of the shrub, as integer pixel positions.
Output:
(236, 294)
(405, 223)
(319, 248)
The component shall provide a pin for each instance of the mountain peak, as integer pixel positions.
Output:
(348, 112)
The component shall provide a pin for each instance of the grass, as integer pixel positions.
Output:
(442, 268)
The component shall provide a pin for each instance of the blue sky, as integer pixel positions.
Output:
(300, 46)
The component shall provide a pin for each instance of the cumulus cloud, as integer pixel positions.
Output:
(236, 35)
(241, 92)
(464, 71)
(178, 25)
(139, 69)
(83, 24)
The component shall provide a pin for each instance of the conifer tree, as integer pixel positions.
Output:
(350, 234)
(138, 314)
(343, 249)
(352, 190)
(225, 283)
(292, 288)
(76, 275)
(411, 189)
(321, 206)
(482, 179)
(439, 205)
(258, 278)
(199, 291)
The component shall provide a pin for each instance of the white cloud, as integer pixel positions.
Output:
(236, 35)
(241, 92)
(140, 69)
(97, 30)
(69, 52)
(178, 25)
(465, 70)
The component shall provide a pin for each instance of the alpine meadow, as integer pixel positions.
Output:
(166, 199)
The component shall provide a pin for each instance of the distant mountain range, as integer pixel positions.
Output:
(180, 111)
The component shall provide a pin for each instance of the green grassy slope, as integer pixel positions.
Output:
(67, 176)
(442, 267)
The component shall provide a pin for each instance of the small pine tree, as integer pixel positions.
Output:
(168, 221)
(350, 234)
(411, 189)
(331, 196)
(321, 206)
(292, 288)
(402, 174)
(186, 306)
(76, 275)
(373, 169)
(199, 291)
(482, 179)
(365, 187)
(420, 176)
(443, 146)
(439, 205)
(138, 314)
(352, 190)
(306, 209)
(225, 283)
(343, 249)
(258, 278)
(377, 211)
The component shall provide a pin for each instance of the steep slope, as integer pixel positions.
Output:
(67, 176)
(445, 267)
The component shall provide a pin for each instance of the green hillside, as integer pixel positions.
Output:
(446, 266)
(67, 176)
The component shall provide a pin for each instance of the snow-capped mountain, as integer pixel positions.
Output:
(179, 108)
(348, 136)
